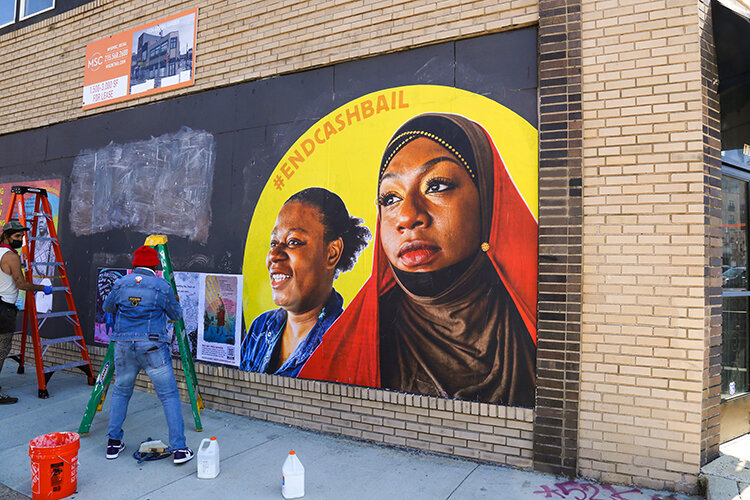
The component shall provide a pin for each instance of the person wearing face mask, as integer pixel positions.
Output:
(11, 280)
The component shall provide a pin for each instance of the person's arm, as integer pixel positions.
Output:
(110, 303)
(12, 261)
(174, 311)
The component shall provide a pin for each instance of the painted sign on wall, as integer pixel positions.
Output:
(151, 58)
(442, 299)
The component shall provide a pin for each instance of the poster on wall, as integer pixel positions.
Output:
(220, 331)
(104, 323)
(429, 290)
(151, 58)
(188, 289)
(43, 251)
(191, 288)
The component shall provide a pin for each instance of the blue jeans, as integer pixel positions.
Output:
(156, 360)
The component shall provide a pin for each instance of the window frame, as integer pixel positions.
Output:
(742, 175)
(21, 17)
(15, 13)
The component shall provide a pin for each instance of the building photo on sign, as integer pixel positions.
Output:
(162, 55)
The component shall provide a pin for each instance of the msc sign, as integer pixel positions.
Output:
(95, 62)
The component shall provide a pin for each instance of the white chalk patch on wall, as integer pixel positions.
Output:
(158, 186)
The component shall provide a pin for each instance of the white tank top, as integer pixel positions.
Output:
(8, 288)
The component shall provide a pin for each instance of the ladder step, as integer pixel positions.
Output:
(45, 276)
(42, 238)
(50, 369)
(59, 340)
(41, 214)
(55, 314)
(45, 263)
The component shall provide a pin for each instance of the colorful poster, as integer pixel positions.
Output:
(53, 195)
(220, 332)
(188, 290)
(104, 323)
(395, 246)
(155, 57)
(43, 251)
(214, 338)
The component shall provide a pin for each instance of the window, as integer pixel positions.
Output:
(734, 282)
(7, 12)
(32, 7)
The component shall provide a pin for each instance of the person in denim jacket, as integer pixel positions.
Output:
(313, 240)
(141, 302)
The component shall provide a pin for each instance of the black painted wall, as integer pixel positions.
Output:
(253, 125)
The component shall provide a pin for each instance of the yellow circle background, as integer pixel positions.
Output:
(347, 163)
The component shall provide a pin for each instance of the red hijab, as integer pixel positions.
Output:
(350, 350)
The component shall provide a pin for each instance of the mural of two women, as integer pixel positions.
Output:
(450, 307)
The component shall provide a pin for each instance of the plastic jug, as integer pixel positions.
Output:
(208, 459)
(292, 477)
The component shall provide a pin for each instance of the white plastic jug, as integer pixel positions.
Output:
(292, 477)
(208, 459)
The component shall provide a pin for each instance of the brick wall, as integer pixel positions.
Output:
(41, 66)
(478, 431)
(645, 311)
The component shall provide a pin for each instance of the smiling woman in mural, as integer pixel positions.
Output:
(313, 240)
(448, 310)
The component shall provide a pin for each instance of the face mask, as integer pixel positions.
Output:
(16, 244)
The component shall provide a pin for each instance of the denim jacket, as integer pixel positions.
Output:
(264, 336)
(142, 302)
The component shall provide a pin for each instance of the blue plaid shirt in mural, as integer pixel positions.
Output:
(264, 336)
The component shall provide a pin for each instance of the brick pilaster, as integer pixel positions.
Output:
(560, 231)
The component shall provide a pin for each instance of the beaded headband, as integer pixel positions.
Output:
(439, 129)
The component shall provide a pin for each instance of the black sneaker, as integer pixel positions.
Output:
(182, 455)
(114, 447)
(7, 400)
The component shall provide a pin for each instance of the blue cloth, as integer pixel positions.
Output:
(142, 301)
(156, 359)
(265, 332)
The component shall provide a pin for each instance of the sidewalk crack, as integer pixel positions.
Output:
(462, 482)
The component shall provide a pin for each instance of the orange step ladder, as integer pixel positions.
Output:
(43, 229)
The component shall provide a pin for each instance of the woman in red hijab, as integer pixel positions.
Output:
(450, 307)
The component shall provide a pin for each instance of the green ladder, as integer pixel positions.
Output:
(99, 393)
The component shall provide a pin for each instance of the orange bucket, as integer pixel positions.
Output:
(54, 465)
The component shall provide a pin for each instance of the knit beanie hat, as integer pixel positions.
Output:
(145, 256)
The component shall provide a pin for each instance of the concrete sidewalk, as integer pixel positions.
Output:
(728, 476)
(252, 453)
